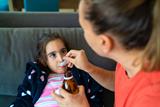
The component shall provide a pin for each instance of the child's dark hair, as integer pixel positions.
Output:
(135, 23)
(41, 57)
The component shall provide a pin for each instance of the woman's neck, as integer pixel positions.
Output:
(130, 60)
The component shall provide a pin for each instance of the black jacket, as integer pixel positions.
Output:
(32, 86)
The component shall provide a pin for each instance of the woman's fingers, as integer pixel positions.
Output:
(71, 100)
(70, 59)
(72, 53)
(57, 97)
(77, 58)
(81, 89)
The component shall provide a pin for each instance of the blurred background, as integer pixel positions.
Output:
(39, 5)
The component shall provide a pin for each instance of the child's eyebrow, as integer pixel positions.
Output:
(52, 52)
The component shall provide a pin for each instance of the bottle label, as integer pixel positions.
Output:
(68, 78)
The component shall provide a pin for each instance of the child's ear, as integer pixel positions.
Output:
(106, 43)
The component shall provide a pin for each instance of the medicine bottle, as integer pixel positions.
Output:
(69, 84)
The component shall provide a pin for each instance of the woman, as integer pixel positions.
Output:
(128, 32)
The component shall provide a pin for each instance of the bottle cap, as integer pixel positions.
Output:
(68, 78)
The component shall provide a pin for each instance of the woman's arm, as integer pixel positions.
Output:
(104, 77)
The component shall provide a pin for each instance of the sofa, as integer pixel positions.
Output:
(19, 33)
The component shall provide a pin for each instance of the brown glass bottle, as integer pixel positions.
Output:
(69, 84)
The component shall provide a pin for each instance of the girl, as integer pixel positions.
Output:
(45, 75)
(127, 31)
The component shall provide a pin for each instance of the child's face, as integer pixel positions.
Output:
(55, 51)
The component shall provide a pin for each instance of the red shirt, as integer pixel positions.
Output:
(142, 90)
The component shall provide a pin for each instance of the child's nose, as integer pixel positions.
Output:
(60, 58)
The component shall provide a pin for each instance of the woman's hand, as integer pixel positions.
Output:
(79, 59)
(71, 100)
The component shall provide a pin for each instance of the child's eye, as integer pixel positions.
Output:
(64, 51)
(52, 55)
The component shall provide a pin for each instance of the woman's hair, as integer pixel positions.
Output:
(152, 50)
(41, 56)
(135, 23)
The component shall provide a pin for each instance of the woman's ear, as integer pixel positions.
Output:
(106, 43)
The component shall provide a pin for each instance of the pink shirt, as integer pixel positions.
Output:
(46, 100)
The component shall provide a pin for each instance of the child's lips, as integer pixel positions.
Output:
(61, 66)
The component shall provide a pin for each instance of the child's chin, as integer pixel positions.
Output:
(60, 71)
